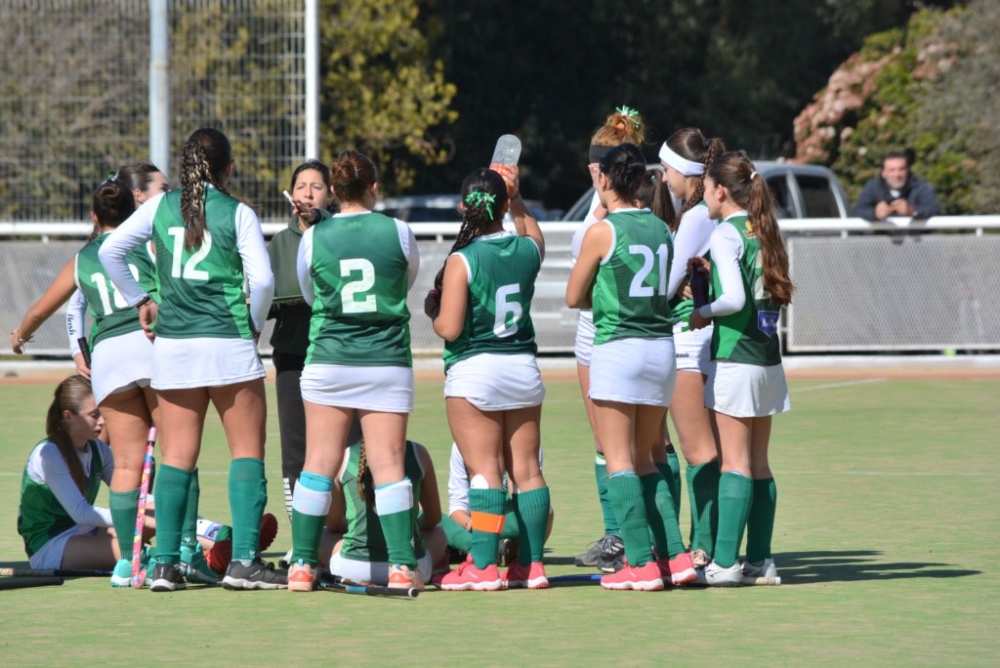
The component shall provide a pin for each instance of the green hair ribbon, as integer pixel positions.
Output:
(478, 198)
(625, 110)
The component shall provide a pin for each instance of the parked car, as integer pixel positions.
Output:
(435, 208)
(800, 191)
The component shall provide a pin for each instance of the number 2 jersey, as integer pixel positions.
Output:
(355, 270)
(630, 289)
(502, 268)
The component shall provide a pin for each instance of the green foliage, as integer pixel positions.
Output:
(933, 97)
(381, 90)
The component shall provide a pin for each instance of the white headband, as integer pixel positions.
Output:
(682, 165)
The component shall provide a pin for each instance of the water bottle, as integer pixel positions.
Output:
(507, 151)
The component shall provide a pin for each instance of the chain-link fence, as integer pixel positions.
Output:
(74, 95)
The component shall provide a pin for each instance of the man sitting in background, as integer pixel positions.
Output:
(897, 192)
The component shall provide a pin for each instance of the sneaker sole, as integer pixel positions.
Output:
(643, 585)
(166, 585)
(121, 582)
(496, 585)
(761, 581)
(239, 584)
(684, 577)
(301, 586)
(536, 583)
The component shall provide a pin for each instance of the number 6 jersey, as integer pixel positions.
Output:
(355, 269)
(502, 268)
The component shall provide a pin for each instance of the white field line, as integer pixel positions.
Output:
(833, 386)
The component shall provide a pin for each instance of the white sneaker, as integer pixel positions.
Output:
(763, 572)
(717, 576)
(286, 561)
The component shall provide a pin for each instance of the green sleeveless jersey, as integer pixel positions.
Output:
(630, 290)
(682, 308)
(749, 336)
(360, 281)
(364, 540)
(40, 516)
(108, 311)
(201, 290)
(502, 271)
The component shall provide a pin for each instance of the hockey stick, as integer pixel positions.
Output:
(576, 577)
(51, 572)
(30, 582)
(84, 350)
(330, 582)
(139, 573)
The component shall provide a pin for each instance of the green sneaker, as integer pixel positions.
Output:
(194, 567)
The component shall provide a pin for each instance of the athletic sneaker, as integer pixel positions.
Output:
(718, 576)
(301, 577)
(402, 576)
(467, 576)
(258, 575)
(121, 576)
(194, 567)
(761, 569)
(607, 545)
(167, 577)
(286, 561)
(507, 551)
(221, 553)
(531, 576)
(642, 578)
(612, 562)
(680, 569)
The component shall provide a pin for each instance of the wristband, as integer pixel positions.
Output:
(145, 300)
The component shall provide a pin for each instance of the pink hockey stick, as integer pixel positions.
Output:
(138, 572)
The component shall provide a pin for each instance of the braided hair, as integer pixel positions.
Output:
(484, 194)
(366, 484)
(206, 156)
(692, 145)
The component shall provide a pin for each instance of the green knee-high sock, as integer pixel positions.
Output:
(671, 472)
(625, 493)
(124, 507)
(394, 506)
(189, 529)
(735, 497)
(490, 503)
(760, 523)
(532, 511)
(661, 516)
(458, 538)
(703, 495)
(601, 474)
(247, 498)
(511, 527)
(171, 500)
(310, 506)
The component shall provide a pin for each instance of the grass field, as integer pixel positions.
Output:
(888, 518)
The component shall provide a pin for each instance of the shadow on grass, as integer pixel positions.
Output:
(856, 565)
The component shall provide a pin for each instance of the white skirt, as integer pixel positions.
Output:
(746, 390)
(180, 364)
(374, 572)
(493, 382)
(693, 348)
(583, 345)
(383, 389)
(634, 371)
(121, 363)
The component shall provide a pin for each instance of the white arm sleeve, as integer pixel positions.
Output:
(458, 482)
(727, 249)
(256, 264)
(75, 310)
(408, 242)
(49, 467)
(134, 232)
(302, 266)
(691, 240)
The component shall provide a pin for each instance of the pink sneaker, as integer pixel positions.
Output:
(301, 577)
(682, 570)
(642, 578)
(525, 577)
(467, 576)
